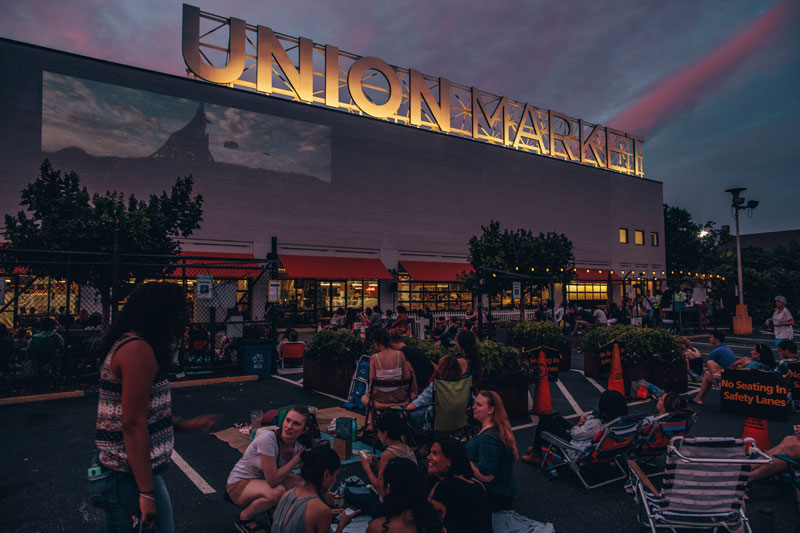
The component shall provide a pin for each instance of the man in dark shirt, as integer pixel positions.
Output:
(423, 368)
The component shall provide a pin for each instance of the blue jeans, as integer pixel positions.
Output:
(119, 519)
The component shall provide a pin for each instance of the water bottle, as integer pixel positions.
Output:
(355, 430)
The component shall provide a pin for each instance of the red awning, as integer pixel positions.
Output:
(434, 271)
(593, 274)
(218, 264)
(327, 267)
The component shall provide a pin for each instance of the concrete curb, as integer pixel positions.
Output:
(212, 381)
(42, 397)
(80, 394)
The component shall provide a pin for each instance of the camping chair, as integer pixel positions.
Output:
(613, 440)
(451, 400)
(703, 486)
(293, 351)
(654, 438)
(374, 407)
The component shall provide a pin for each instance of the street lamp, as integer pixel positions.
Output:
(742, 323)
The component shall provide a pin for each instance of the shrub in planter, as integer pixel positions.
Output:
(429, 348)
(542, 333)
(330, 361)
(503, 372)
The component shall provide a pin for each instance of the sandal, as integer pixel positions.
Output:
(248, 526)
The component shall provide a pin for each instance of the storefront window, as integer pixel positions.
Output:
(355, 294)
(370, 294)
(439, 296)
(582, 292)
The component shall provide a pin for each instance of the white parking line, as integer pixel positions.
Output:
(192, 474)
(316, 391)
(590, 380)
(570, 399)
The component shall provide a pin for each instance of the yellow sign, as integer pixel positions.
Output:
(261, 61)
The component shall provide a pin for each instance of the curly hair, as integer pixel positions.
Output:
(155, 311)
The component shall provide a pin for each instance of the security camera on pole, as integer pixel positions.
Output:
(742, 323)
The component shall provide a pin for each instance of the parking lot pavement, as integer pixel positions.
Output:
(43, 487)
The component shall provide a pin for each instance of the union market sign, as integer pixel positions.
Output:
(256, 58)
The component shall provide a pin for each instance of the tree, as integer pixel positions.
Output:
(686, 248)
(501, 257)
(62, 217)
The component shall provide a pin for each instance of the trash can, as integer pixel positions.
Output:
(256, 358)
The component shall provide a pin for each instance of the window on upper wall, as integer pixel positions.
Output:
(653, 238)
(638, 237)
(623, 235)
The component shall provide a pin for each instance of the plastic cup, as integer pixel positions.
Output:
(255, 422)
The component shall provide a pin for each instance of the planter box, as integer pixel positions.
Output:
(515, 400)
(331, 379)
(671, 378)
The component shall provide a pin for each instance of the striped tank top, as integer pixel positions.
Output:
(109, 438)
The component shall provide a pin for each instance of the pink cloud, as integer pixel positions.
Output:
(686, 87)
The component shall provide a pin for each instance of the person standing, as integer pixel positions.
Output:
(134, 414)
(782, 321)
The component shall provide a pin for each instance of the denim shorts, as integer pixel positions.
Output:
(119, 518)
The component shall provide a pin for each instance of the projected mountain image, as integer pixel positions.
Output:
(104, 120)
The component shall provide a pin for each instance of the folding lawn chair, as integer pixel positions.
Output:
(612, 441)
(703, 485)
(293, 351)
(450, 402)
(359, 384)
(654, 438)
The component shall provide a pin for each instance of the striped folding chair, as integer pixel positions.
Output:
(703, 486)
(613, 441)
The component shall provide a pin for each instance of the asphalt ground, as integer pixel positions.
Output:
(47, 446)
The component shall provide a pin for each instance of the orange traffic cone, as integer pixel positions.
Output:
(319, 326)
(756, 428)
(363, 333)
(541, 397)
(615, 381)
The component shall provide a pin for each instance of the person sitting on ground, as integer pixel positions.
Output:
(694, 360)
(423, 368)
(405, 508)
(337, 320)
(262, 475)
(610, 406)
(671, 402)
(761, 358)
(493, 450)
(789, 446)
(390, 432)
(448, 337)
(389, 365)
(599, 317)
(459, 498)
(44, 346)
(303, 509)
(448, 369)
(788, 353)
(721, 358)
(401, 322)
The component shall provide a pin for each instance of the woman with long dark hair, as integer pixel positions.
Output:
(404, 508)
(610, 406)
(134, 414)
(467, 345)
(761, 358)
(303, 509)
(458, 497)
(493, 450)
(264, 473)
(390, 428)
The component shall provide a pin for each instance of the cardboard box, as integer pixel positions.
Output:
(343, 448)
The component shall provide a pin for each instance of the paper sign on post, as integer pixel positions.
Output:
(754, 394)
(204, 286)
(274, 291)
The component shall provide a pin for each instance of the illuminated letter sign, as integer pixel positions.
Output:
(284, 67)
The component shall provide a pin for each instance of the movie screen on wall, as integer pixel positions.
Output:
(138, 142)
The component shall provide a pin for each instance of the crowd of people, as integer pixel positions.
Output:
(454, 486)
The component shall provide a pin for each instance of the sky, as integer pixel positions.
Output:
(712, 86)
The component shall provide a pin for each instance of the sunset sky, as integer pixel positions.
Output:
(711, 86)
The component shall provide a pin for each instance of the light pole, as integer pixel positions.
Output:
(742, 323)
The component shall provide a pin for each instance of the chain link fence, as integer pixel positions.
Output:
(52, 327)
